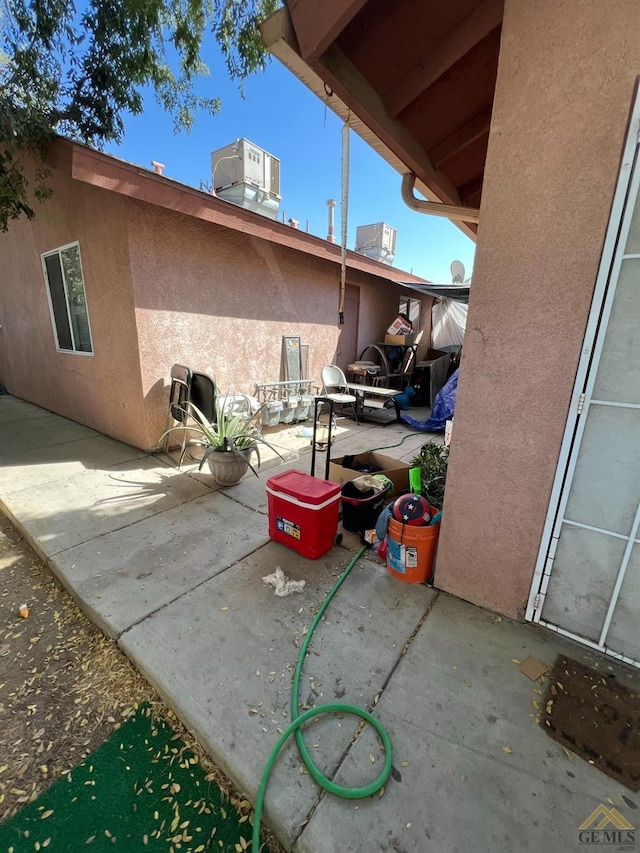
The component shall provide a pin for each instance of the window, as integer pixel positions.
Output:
(67, 299)
(411, 307)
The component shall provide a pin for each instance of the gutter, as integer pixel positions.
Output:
(435, 208)
(280, 40)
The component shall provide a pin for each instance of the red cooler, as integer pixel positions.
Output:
(303, 512)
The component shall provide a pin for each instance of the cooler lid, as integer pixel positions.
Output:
(303, 486)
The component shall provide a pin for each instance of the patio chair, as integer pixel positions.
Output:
(179, 394)
(203, 395)
(336, 389)
(189, 386)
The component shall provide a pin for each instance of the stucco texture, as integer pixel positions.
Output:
(102, 390)
(172, 275)
(564, 90)
(220, 301)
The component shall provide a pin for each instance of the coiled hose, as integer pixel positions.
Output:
(299, 719)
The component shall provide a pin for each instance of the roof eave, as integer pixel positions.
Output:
(279, 39)
(89, 166)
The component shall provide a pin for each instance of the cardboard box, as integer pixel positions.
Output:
(435, 355)
(400, 326)
(400, 340)
(394, 469)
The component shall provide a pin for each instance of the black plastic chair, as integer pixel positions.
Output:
(189, 386)
(203, 395)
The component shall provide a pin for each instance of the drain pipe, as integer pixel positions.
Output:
(344, 215)
(435, 208)
(331, 203)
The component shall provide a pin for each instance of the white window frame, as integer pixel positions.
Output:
(58, 251)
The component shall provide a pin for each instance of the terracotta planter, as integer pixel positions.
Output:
(229, 468)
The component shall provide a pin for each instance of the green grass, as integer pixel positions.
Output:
(142, 790)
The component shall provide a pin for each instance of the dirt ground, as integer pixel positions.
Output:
(64, 686)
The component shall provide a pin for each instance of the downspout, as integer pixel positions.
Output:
(344, 215)
(435, 208)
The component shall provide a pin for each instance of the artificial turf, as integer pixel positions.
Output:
(142, 790)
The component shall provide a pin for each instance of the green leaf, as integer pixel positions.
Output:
(433, 460)
(79, 72)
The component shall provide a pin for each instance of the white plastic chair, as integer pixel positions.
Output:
(335, 388)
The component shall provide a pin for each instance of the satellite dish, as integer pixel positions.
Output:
(457, 272)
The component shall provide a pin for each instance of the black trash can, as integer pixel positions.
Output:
(360, 510)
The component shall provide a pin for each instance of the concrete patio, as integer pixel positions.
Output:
(171, 566)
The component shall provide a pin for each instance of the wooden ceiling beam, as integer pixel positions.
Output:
(317, 25)
(279, 38)
(349, 84)
(484, 18)
(461, 138)
(471, 189)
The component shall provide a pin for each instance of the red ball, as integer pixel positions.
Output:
(412, 509)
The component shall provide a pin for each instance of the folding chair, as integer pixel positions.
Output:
(189, 386)
(203, 395)
(335, 388)
(179, 394)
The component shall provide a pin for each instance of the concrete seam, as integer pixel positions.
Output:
(48, 560)
(187, 592)
(370, 708)
(123, 527)
(242, 504)
(57, 444)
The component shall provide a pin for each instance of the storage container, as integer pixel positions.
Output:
(290, 404)
(303, 512)
(429, 377)
(302, 409)
(271, 412)
(343, 468)
(361, 513)
(411, 551)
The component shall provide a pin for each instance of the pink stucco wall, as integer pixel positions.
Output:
(171, 275)
(102, 390)
(564, 91)
(221, 300)
(165, 286)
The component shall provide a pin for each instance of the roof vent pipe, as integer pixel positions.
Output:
(331, 203)
(158, 167)
(435, 208)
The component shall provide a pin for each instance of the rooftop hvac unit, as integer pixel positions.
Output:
(247, 176)
(377, 241)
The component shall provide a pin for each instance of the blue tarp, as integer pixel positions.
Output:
(443, 408)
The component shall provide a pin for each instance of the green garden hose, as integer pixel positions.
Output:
(299, 719)
(397, 444)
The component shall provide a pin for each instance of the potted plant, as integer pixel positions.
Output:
(228, 443)
(432, 460)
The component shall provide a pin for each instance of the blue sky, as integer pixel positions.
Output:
(282, 116)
